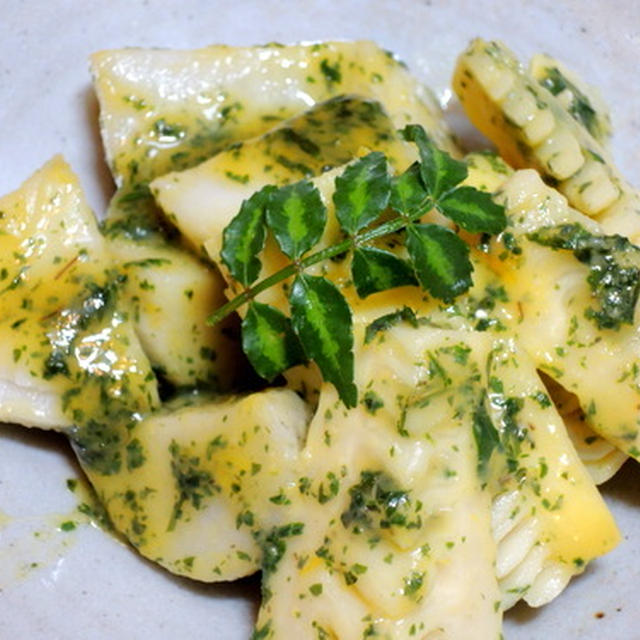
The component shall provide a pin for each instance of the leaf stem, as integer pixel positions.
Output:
(391, 226)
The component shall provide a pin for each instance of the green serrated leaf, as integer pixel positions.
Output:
(473, 210)
(362, 192)
(376, 270)
(439, 171)
(440, 259)
(408, 194)
(322, 319)
(296, 216)
(486, 436)
(269, 341)
(243, 238)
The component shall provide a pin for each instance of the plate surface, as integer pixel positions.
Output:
(84, 584)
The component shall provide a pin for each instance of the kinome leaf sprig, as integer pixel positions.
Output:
(320, 325)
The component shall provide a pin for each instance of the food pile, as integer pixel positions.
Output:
(311, 337)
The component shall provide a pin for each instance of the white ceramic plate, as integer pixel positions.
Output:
(84, 584)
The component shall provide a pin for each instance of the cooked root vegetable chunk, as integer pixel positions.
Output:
(60, 321)
(201, 201)
(199, 486)
(170, 294)
(544, 121)
(164, 110)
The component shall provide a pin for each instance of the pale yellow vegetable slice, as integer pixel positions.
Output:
(203, 200)
(532, 128)
(165, 110)
(545, 308)
(486, 171)
(599, 365)
(414, 433)
(52, 257)
(170, 294)
(524, 120)
(601, 458)
(555, 522)
(203, 486)
(390, 511)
